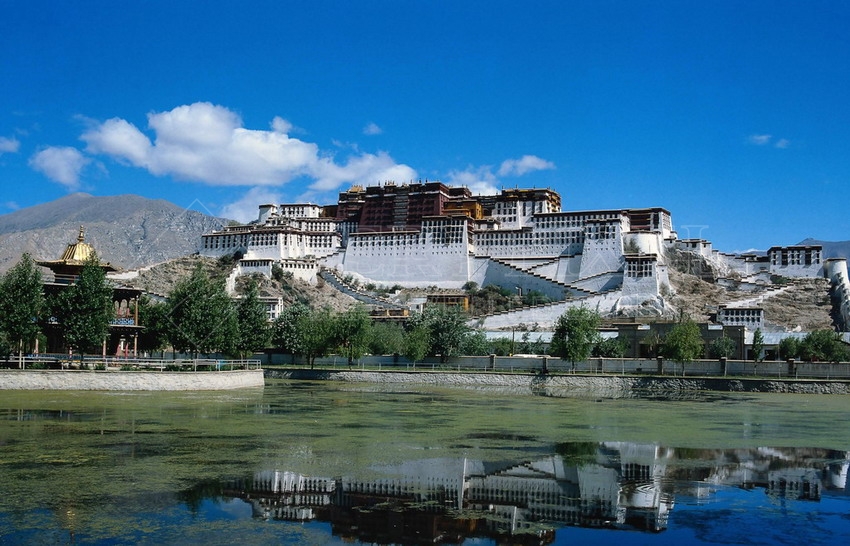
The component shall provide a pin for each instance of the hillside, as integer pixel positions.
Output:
(161, 279)
(128, 231)
(801, 304)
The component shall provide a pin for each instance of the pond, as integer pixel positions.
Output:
(339, 463)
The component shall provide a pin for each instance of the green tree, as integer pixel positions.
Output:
(386, 338)
(351, 332)
(528, 346)
(474, 344)
(417, 343)
(534, 297)
(823, 346)
(653, 343)
(21, 305)
(85, 309)
(316, 333)
(789, 347)
(5, 346)
(201, 316)
(722, 347)
(758, 345)
(684, 342)
(490, 299)
(286, 332)
(575, 334)
(501, 346)
(154, 318)
(446, 327)
(470, 286)
(252, 323)
(611, 347)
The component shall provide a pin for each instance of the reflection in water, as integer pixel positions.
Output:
(483, 467)
(613, 485)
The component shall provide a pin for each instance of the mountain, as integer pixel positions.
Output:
(128, 231)
(831, 249)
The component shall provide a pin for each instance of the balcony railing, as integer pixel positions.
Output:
(123, 321)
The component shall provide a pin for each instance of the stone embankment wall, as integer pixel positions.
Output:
(573, 385)
(86, 380)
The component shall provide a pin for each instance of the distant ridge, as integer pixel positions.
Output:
(128, 231)
(831, 249)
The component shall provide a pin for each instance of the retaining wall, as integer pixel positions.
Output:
(529, 363)
(88, 380)
(573, 385)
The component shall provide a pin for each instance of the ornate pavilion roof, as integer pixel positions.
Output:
(75, 256)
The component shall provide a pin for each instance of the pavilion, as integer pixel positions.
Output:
(124, 327)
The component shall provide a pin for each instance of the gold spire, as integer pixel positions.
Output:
(78, 252)
(68, 267)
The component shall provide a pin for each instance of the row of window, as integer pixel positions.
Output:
(795, 257)
(225, 241)
(441, 240)
(561, 240)
(640, 269)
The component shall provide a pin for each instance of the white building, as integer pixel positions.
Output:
(796, 261)
(436, 236)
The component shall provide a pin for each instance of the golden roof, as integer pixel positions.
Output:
(79, 251)
(76, 254)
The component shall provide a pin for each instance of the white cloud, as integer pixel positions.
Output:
(246, 208)
(765, 139)
(364, 169)
(480, 181)
(207, 143)
(524, 165)
(280, 125)
(9, 145)
(372, 129)
(61, 164)
(120, 139)
(759, 140)
(11, 205)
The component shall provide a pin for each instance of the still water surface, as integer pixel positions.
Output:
(341, 463)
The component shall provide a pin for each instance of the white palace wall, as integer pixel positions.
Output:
(503, 243)
(647, 242)
(798, 270)
(601, 283)
(499, 274)
(563, 269)
(603, 248)
(796, 261)
(407, 259)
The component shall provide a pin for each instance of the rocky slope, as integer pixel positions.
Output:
(161, 279)
(802, 304)
(126, 230)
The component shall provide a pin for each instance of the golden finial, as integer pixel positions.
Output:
(81, 238)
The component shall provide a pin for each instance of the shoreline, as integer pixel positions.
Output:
(573, 384)
(585, 385)
(100, 380)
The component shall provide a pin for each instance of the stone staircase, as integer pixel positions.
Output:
(330, 277)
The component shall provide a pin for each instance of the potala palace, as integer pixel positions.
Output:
(433, 235)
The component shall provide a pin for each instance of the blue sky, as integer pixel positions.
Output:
(735, 116)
